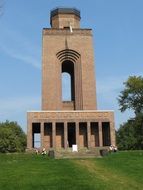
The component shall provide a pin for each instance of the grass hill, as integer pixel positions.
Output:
(118, 171)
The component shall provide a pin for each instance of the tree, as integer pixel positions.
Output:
(12, 137)
(125, 136)
(130, 135)
(132, 95)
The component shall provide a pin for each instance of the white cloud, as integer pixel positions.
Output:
(112, 84)
(108, 90)
(15, 109)
(11, 106)
(19, 47)
(25, 58)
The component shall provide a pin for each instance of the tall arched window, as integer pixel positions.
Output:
(68, 87)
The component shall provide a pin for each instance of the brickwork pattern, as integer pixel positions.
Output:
(66, 41)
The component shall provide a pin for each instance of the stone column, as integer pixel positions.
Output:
(54, 135)
(29, 135)
(42, 134)
(77, 134)
(78, 86)
(100, 133)
(65, 135)
(88, 135)
(112, 133)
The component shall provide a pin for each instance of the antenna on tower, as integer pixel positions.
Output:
(70, 26)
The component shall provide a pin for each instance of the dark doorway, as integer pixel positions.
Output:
(94, 134)
(83, 134)
(36, 136)
(106, 133)
(60, 135)
(47, 135)
(71, 134)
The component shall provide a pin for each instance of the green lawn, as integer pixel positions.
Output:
(119, 171)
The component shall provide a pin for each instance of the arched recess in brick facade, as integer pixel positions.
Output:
(68, 54)
(70, 63)
(68, 67)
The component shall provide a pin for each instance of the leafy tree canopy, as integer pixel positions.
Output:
(12, 137)
(130, 135)
(132, 95)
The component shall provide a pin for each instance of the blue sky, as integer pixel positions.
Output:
(118, 49)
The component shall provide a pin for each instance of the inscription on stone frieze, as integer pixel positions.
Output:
(70, 115)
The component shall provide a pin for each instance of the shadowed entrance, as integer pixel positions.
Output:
(71, 134)
(36, 136)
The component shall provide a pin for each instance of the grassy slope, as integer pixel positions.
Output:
(117, 171)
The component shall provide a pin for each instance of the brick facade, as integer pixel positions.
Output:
(68, 48)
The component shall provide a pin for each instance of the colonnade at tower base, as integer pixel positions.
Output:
(62, 129)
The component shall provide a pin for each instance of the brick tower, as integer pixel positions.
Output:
(67, 48)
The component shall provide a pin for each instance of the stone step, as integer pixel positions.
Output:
(86, 153)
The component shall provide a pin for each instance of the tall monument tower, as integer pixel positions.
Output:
(67, 48)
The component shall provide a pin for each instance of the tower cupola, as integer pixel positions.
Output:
(65, 18)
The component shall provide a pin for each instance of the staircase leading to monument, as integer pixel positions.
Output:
(82, 153)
